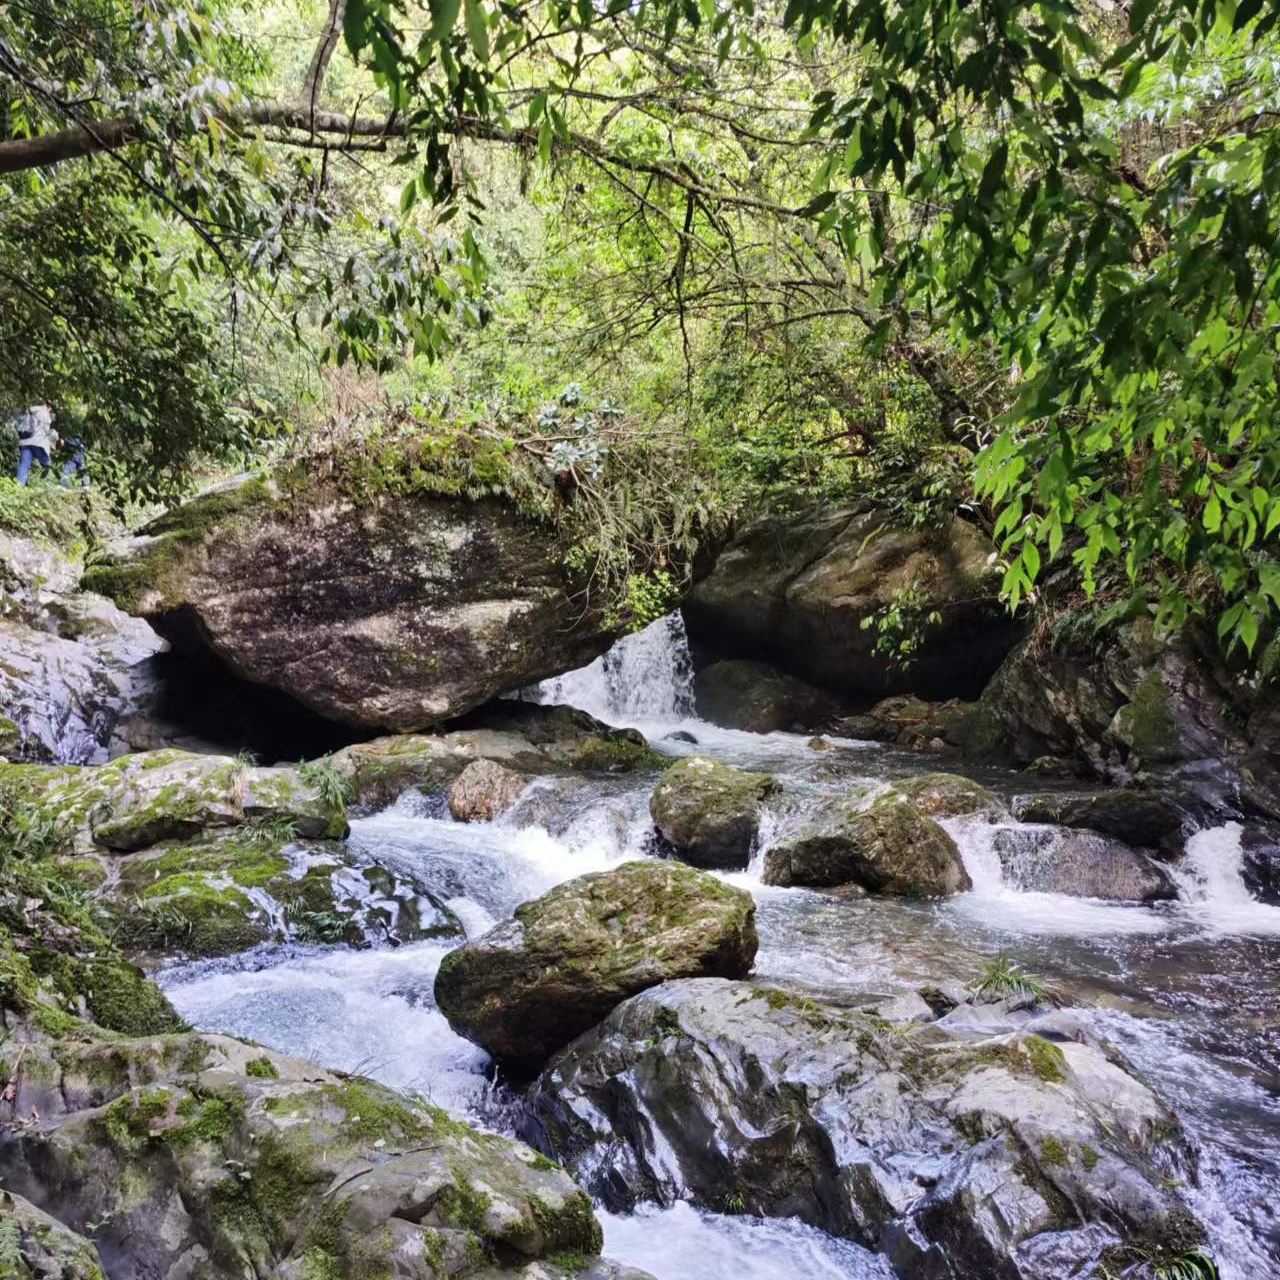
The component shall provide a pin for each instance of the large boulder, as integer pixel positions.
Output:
(743, 693)
(1017, 1153)
(797, 590)
(203, 1156)
(888, 846)
(710, 813)
(1124, 704)
(376, 592)
(562, 962)
(34, 1246)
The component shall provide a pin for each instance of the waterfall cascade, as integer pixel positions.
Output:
(646, 677)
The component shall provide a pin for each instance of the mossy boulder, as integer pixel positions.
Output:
(1142, 818)
(562, 962)
(795, 590)
(137, 801)
(484, 791)
(227, 893)
(34, 1246)
(888, 847)
(206, 1156)
(948, 795)
(956, 1153)
(390, 594)
(710, 813)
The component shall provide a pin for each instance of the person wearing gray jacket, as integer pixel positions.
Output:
(36, 439)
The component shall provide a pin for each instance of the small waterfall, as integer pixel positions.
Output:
(1212, 887)
(645, 677)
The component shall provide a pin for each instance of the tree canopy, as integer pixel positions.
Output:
(1017, 257)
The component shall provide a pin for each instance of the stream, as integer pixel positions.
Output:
(1188, 991)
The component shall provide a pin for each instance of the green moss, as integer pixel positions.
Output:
(1047, 1060)
(462, 1205)
(1052, 1152)
(209, 1116)
(615, 755)
(570, 1226)
(1146, 724)
(373, 1113)
(130, 1122)
(433, 1250)
(261, 1068)
(1089, 1158)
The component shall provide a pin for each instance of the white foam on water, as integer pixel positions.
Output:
(647, 676)
(370, 1012)
(683, 1243)
(1000, 907)
(1212, 889)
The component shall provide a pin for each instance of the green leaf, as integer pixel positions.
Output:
(477, 28)
(444, 15)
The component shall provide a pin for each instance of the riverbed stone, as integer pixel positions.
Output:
(1143, 818)
(563, 961)
(956, 1155)
(710, 813)
(204, 1156)
(34, 1246)
(948, 795)
(484, 791)
(745, 693)
(888, 846)
(1082, 864)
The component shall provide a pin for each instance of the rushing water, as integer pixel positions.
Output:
(1187, 990)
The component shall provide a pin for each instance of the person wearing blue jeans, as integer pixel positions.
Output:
(36, 439)
(74, 465)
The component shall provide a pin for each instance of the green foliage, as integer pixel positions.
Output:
(28, 830)
(1005, 979)
(323, 927)
(903, 625)
(332, 787)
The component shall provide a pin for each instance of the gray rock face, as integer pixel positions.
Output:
(1128, 705)
(205, 1157)
(562, 962)
(887, 847)
(796, 591)
(392, 610)
(741, 693)
(72, 665)
(1083, 864)
(1136, 817)
(34, 1246)
(710, 813)
(1008, 1156)
(484, 791)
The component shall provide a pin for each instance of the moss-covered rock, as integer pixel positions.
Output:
(948, 795)
(189, 1157)
(223, 894)
(387, 595)
(1137, 817)
(137, 801)
(888, 846)
(708, 812)
(34, 1246)
(566, 959)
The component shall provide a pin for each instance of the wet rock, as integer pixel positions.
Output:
(33, 1246)
(682, 735)
(484, 791)
(960, 1157)
(710, 813)
(521, 737)
(140, 800)
(204, 1156)
(948, 795)
(532, 984)
(1124, 703)
(888, 847)
(796, 590)
(741, 693)
(226, 893)
(1260, 863)
(382, 603)
(1136, 817)
(1082, 864)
